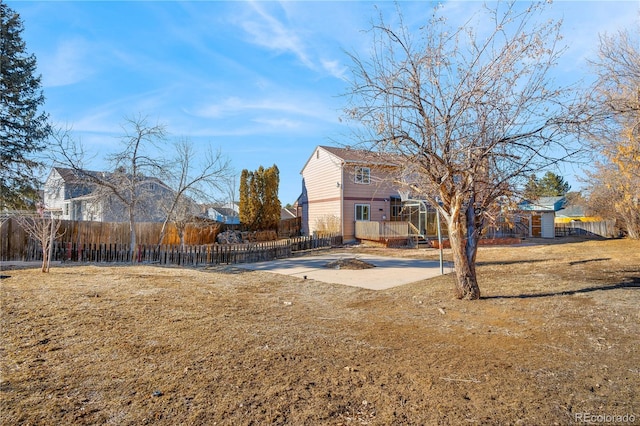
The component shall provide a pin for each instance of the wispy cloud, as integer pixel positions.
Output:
(582, 27)
(335, 68)
(233, 106)
(266, 30)
(67, 64)
(279, 123)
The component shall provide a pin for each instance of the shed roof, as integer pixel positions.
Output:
(552, 204)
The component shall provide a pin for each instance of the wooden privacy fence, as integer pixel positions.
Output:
(603, 228)
(289, 227)
(14, 241)
(191, 255)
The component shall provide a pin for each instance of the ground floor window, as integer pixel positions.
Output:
(362, 212)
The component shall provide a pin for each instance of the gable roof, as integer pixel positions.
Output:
(357, 156)
(352, 155)
(223, 211)
(80, 176)
(287, 213)
(72, 175)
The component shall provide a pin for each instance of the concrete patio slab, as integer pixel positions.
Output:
(388, 272)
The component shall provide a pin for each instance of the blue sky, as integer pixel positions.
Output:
(262, 81)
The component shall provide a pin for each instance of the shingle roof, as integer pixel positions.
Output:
(353, 155)
(71, 175)
(286, 213)
(80, 176)
(224, 211)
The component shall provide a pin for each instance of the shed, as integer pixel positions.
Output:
(542, 215)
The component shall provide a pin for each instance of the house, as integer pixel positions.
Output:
(227, 214)
(288, 213)
(79, 199)
(343, 185)
(540, 215)
(575, 213)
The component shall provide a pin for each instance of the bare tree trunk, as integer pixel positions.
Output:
(163, 231)
(52, 237)
(45, 259)
(132, 234)
(466, 282)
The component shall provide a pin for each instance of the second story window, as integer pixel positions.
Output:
(363, 175)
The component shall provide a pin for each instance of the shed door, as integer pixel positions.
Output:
(548, 228)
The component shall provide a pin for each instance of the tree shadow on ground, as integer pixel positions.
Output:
(569, 239)
(580, 262)
(629, 283)
(510, 262)
(226, 269)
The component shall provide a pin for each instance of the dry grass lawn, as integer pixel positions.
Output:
(556, 334)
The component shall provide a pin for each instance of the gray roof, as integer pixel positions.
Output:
(551, 204)
(353, 155)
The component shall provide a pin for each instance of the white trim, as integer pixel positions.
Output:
(368, 211)
(362, 175)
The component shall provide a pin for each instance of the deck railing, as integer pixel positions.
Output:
(382, 231)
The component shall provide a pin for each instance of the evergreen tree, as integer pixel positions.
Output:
(553, 185)
(531, 188)
(272, 206)
(255, 199)
(23, 129)
(243, 203)
(550, 185)
(259, 203)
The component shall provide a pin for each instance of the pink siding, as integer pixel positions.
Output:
(376, 194)
(330, 190)
(321, 176)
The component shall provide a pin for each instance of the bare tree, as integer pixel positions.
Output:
(616, 134)
(44, 228)
(232, 192)
(193, 180)
(129, 184)
(469, 112)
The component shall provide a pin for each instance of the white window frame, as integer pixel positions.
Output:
(362, 175)
(364, 208)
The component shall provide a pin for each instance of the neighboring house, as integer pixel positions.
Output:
(573, 213)
(540, 215)
(80, 200)
(288, 213)
(342, 185)
(224, 214)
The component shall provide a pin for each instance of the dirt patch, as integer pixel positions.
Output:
(555, 336)
(351, 263)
